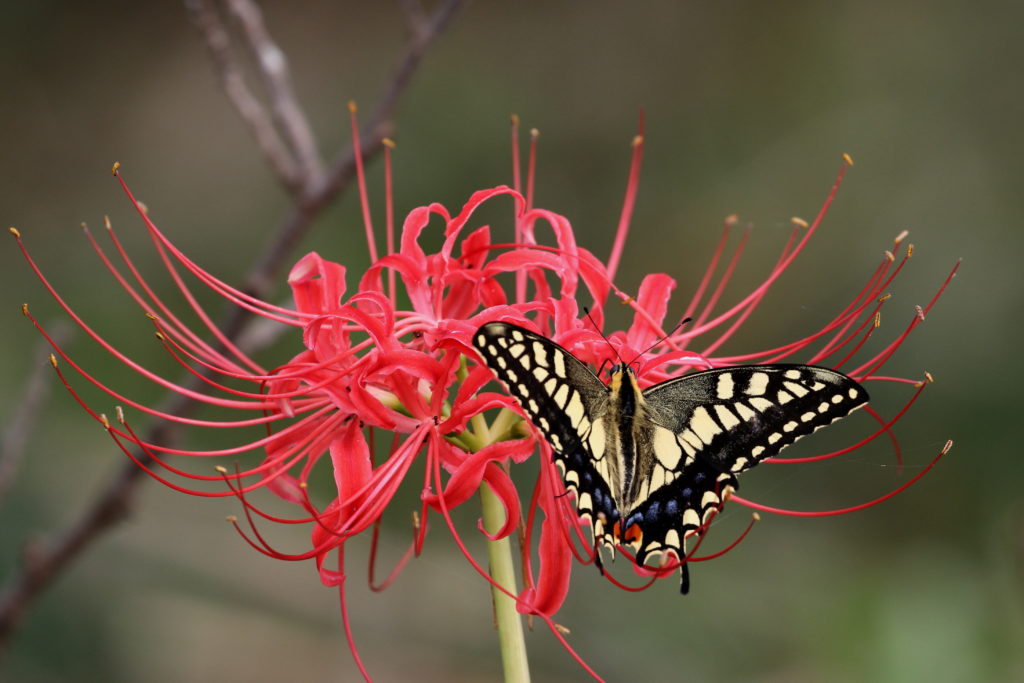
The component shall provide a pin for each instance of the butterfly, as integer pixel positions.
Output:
(649, 468)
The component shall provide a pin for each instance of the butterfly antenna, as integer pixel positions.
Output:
(662, 339)
(615, 352)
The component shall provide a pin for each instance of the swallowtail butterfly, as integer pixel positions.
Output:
(650, 467)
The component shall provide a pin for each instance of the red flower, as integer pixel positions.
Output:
(370, 368)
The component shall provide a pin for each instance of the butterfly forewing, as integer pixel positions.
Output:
(736, 417)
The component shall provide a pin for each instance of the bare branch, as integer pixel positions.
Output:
(218, 42)
(33, 398)
(44, 562)
(273, 68)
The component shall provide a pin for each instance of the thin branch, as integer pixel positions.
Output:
(273, 68)
(218, 41)
(32, 399)
(43, 562)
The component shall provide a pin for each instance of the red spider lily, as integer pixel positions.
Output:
(372, 368)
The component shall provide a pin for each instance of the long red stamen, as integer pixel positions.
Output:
(629, 201)
(843, 511)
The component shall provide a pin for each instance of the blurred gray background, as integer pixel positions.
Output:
(749, 107)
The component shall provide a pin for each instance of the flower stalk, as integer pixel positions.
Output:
(506, 617)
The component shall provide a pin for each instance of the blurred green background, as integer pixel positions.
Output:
(749, 106)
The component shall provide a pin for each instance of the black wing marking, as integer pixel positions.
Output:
(733, 418)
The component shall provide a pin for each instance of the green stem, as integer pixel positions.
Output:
(508, 620)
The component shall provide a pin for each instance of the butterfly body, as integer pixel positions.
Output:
(650, 467)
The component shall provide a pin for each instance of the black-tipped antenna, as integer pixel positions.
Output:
(586, 312)
(670, 333)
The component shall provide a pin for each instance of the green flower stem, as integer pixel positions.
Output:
(508, 620)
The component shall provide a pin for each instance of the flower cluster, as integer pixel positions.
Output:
(392, 361)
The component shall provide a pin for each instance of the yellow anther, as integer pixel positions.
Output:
(113, 169)
(53, 360)
(757, 517)
(889, 255)
(799, 222)
(415, 520)
(534, 133)
(221, 469)
(928, 376)
(900, 237)
(910, 250)
(949, 445)
(120, 414)
(352, 108)
(105, 421)
(232, 519)
(107, 224)
(159, 335)
(878, 321)
(638, 140)
(14, 231)
(884, 298)
(388, 142)
(848, 159)
(731, 220)
(303, 485)
(562, 629)
(514, 118)
(24, 310)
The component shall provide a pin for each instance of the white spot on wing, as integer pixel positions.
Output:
(726, 416)
(745, 412)
(725, 386)
(761, 404)
(756, 451)
(596, 440)
(807, 417)
(690, 518)
(702, 423)
(517, 335)
(672, 537)
(559, 365)
(758, 383)
(784, 397)
(774, 438)
(574, 409)
(793, 374)
(797, 389)
(789, 426)
(667, 448)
